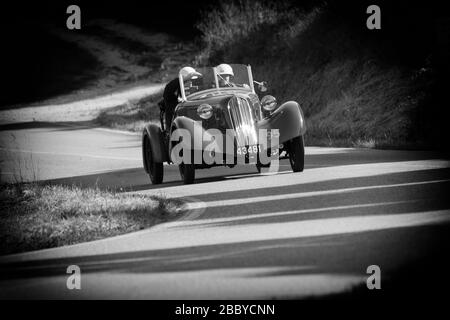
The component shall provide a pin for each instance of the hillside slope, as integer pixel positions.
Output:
(48, 64)
(357, 87)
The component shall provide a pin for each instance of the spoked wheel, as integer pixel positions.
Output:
(297, 154)
(187, 172)
(155, 169)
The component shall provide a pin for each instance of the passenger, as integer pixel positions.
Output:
(172, 92)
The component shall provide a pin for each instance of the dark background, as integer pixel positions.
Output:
(32, 60)
(180, 16)
(37, 65)
(176, 17)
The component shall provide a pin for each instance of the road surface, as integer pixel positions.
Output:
(244, 235)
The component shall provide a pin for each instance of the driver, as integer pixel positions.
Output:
(172, 91)
(225, 74)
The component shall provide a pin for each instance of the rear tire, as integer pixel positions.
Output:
(155, 169)
(297, 154)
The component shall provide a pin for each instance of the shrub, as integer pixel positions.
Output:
(351, 85)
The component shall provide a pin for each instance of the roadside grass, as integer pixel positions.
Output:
(35, 216)
(133, 116)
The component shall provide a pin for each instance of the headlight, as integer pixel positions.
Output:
(205, 111)
(269, 103)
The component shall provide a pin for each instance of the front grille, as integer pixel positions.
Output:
(243, 120)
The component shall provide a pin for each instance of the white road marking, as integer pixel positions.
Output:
(213, 220)
(238, 201)
(194, 207)
(308, 176)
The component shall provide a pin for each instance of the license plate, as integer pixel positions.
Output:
(250, 150)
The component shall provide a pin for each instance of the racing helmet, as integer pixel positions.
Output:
(225, 70)
(189, 73)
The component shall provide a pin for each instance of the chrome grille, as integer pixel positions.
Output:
(241, 115)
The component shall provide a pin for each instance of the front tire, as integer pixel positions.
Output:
(155, 169)
(259, 166)
(297, 154)
(187, 172)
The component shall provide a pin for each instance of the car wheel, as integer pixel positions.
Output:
(260, 165)
(155, 169)
(297, 154)
(187, 172)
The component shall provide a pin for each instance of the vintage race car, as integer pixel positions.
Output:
(222, 121)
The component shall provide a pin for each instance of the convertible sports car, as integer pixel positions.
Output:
(233, 109)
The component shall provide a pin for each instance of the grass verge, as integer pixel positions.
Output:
(37, 216)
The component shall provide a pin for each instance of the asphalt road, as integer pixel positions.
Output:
(245, 235)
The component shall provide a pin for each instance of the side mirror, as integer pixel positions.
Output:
(262, 86)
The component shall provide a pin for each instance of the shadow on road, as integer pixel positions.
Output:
(410, 255)
(409, 259)
(135, 179)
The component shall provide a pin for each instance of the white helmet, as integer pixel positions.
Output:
(189, 73)
(225, 69)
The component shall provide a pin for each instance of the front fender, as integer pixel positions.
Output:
(288, 119)
(200, 138)
(155, 135)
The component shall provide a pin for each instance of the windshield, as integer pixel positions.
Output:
(211, 79)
